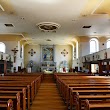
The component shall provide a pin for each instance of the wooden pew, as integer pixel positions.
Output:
(7, 105)
(65, 89)
(79, 99)
(56, 75)
(81, 82)
(15, 98)
(22, 96)
(86, 90)
(96, 105)
(20, 82)
(95, 80)
(19, 88)
(33, 80)
(15, 83)
(63, 85)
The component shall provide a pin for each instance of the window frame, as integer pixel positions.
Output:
(3, 44)
(96, 45)
(107, 43)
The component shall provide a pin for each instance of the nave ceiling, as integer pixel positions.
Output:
(60, 20)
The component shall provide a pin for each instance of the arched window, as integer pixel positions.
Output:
(2, 47)
(94, 45)
(108, 43)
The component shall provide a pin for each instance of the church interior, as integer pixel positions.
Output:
(54, 54)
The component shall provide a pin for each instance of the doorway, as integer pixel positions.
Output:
(94, 68)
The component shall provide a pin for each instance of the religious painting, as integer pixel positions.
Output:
(47, 53)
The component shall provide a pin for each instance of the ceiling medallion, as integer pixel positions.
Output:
(48, 26)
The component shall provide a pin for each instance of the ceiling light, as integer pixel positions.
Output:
(48, 26)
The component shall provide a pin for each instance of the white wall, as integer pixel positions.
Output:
(35, 57)
(101, 46)
(84, 48)
(59, 57)
(10, 45)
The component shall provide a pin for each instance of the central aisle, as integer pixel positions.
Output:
(48, 97)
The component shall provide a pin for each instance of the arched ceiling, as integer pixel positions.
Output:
(70, 15)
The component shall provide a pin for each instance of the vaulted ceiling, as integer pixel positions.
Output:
(60, 20)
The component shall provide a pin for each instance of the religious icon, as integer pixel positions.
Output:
(15, 52)
(64, 52)
(31, 52)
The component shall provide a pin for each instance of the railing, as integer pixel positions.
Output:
(100, 55)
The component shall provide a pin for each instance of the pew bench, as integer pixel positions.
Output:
(69, 90)
(22, 96)
(25, 91)
(79, 99)
(15, 98)
(10, 85)
(6, 105)
(96, 105)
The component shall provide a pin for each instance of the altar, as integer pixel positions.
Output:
(48, 67)
(47, 59)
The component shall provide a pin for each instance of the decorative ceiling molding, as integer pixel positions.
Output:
(48, 26)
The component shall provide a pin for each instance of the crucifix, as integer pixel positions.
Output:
(15, 52)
